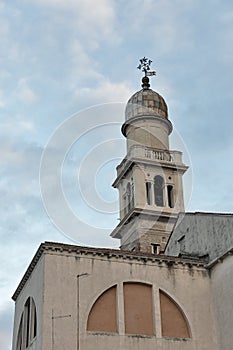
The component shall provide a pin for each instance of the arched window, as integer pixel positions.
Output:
(159, 190)
(102, 317)
(139, 312)
(28, 325)
(173, 320)
(138, 309)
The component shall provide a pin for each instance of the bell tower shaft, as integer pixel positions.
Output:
(149, 178)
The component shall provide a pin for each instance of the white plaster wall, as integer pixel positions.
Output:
(190, 287)
(222, 299)
(151, 132)
(60, 302)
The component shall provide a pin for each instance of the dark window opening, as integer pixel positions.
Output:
(27, 316)
(170, 196)
(35, 324)
(159, 190)
(128, 196)
(148, 193)
(155, 248)
(132, 196)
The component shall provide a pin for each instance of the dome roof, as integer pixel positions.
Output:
(146, 102)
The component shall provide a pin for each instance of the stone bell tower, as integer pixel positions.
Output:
(149, 178)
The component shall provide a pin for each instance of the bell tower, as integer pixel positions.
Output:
(149, 178)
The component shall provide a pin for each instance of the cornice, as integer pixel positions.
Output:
(54, 247)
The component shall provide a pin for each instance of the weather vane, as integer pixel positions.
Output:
(144, 66)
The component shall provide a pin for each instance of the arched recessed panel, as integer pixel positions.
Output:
(102, 317)
(28, 325)
(173, 321)
(138, 308)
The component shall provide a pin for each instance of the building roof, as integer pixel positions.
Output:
(146, 102)
(201, 234)
(107, 252)
(220, 259)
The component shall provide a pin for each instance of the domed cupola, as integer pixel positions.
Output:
(146, 118)
(146, 102)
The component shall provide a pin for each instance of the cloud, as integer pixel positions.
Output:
(6, 321)
(91, 24)
(12, 129)
(25, 93)
(105, 91)
(2, 100)
(226, 29)
(9, 155)
(59, 56)
(83, 69)
(9, 46)
(163, 25)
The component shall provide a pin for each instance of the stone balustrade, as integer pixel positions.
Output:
(148, 153)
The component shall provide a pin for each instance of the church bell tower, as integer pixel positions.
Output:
(149, 178)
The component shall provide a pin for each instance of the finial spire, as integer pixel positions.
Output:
(144, 66)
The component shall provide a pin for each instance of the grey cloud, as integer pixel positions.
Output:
(6, 321)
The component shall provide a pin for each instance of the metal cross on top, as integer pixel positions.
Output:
(144, 66)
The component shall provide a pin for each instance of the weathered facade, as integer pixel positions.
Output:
(222, 297)
(209, 236)
(102, 298)
(89, 298)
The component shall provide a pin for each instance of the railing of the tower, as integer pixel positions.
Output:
(158, 154)
(148, 153)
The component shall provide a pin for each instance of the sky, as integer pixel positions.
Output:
(67, 68)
